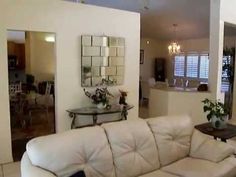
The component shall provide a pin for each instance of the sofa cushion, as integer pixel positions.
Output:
(133, 148)
(190, 167)
(232, 142)
(158, 173)
(202, 144)
(29, 170)
(173, 137)
(66, 153)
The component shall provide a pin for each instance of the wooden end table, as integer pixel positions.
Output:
(223, 134)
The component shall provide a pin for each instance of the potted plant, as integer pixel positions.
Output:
(217, 113)
(100, 97)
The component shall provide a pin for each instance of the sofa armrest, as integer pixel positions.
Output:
(29, 170)
(205, 147)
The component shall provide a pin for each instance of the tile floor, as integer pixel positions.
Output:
(10, 170)
(39, 127)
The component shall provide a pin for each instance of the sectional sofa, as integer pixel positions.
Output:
(157, 147)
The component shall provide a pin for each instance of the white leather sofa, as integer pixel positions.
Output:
(158, 147)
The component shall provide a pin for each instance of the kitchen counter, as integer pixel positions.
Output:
(165, 100)
(177, 89)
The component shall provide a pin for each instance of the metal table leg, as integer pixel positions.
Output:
(73, 116)
(95, 118)
(124, 113)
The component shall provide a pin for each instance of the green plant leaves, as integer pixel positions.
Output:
(215, 108)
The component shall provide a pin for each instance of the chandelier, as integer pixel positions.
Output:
(174, 47)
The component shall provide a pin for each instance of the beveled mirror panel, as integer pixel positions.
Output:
(102, 60)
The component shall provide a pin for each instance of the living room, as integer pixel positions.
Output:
(70, 21)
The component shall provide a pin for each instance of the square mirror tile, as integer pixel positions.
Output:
(108, 71)
(100, 41)
(95, 71)
(90, 51)
(116, 61)
(96, 81)
(86, 40)
(86, 61)
(120, 51)
(120, 71)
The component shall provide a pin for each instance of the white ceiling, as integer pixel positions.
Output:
(192, 16)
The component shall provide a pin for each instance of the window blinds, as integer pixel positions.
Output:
(192, 66)
(179, 65)
(204, 66)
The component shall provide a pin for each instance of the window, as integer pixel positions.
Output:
(225, 85)
(179, 65)
(195, 66)
(204, 66)
(192, 66)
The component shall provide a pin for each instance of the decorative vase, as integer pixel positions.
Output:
(219, 123)
(101, 106)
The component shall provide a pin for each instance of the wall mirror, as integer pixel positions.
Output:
(102, 60)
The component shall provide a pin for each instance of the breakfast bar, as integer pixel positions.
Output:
(177, 100)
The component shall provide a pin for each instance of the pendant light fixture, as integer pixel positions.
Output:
(174, 47)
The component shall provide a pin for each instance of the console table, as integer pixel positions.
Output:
(224, 134)
(94, 112)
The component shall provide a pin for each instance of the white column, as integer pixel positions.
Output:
(216, 50)
(5, 131)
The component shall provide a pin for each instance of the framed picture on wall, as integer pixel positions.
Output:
(141, 56)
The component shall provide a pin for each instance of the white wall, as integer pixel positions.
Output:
(227, 11)
(69, 21)
(42, 56)
(194, 45)
(152, 50)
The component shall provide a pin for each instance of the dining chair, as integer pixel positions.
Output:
(179, 82)
(192, 83)
(41, 103)
(15, 88)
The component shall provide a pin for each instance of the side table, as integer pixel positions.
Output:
(223, 134)
(94, 112)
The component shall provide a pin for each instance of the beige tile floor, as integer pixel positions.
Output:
(10, 170)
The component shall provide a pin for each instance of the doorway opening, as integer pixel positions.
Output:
(31, 66)
(228, 69)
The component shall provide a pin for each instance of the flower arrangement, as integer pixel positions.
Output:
(214, 109)
(123, 95)
(100, 96)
